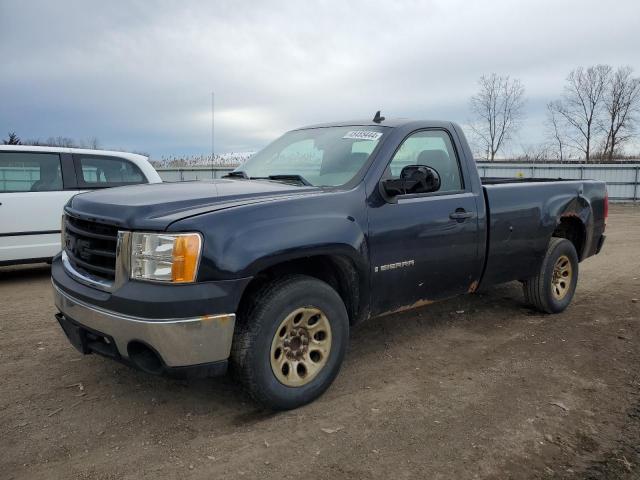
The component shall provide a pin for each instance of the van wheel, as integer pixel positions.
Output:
(289, 342)
(552, 289)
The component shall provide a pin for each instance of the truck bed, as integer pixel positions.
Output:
(524, 213)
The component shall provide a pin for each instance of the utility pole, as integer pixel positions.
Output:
(212, 134)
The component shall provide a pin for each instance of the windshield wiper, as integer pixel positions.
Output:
(287, 176)
(236, 174)
(281, 177)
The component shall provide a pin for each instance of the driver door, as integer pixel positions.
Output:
(424, 246)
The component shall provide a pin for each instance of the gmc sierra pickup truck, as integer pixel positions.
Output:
(266, 270)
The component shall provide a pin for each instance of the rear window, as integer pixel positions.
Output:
(97, 171)
(30, 172)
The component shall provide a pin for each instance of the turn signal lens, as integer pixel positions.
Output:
(186, 253)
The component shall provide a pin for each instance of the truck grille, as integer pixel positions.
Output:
(91, 246)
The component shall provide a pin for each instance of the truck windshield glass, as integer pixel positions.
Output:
(320, 156)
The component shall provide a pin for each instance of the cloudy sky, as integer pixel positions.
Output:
(138, 75)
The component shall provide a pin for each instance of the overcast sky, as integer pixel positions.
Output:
(138, 75)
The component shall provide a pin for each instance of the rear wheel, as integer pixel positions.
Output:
(290, 341)
(552, 289)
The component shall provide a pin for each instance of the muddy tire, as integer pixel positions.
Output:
(289, 342)
(552, 289)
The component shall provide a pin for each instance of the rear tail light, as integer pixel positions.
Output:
(606, 208)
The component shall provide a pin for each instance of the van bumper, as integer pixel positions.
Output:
(198, 345)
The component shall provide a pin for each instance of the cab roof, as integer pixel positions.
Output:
(388, 123)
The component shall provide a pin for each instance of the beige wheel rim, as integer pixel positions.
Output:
(562, 276)
(301, 346)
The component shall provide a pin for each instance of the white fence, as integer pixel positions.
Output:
(623, 180)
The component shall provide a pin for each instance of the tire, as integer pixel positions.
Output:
(258, 335)
(547, 291)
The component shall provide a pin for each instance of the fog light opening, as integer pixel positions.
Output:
(145, 358)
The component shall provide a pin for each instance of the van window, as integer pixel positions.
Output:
(98, 171)
(30, 172)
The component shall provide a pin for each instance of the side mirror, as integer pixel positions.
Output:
(413, 179)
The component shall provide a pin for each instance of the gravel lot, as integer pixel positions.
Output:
(475, 387)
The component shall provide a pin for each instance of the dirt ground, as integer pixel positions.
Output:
(475, 387)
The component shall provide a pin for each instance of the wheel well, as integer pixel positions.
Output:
(338, 271)
(573, 230)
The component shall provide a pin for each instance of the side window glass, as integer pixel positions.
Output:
(106, 171)
(30, 172)
(431, 148)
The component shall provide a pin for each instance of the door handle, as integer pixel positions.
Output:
(460, 215)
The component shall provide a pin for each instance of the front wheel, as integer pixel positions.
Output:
(290, 341)
(552, 288)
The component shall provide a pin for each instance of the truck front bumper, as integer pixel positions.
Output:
(194, 345)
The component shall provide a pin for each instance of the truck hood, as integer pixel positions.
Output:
(156, 206)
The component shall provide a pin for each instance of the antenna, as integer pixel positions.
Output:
(378, 118)
(213, 168)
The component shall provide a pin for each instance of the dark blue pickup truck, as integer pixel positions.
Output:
(266, 270)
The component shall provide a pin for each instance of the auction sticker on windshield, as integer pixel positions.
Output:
(363, 135)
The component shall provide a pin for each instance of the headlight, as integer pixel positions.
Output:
(165, 257)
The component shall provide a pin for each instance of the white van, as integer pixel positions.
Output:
(36, 183)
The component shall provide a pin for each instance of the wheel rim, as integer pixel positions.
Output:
(301, 346)
(562, 276)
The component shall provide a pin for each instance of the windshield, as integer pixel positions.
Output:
(319, 156)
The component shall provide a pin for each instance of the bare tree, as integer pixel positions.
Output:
(581, 104)
(12, 139)
(621, 102)
(52, 142)
(62, 142)
(533, 153)
(92, 143)
(498, 109)
(555, 128)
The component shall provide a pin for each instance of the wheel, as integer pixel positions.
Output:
(290, 341)
(552, 289)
